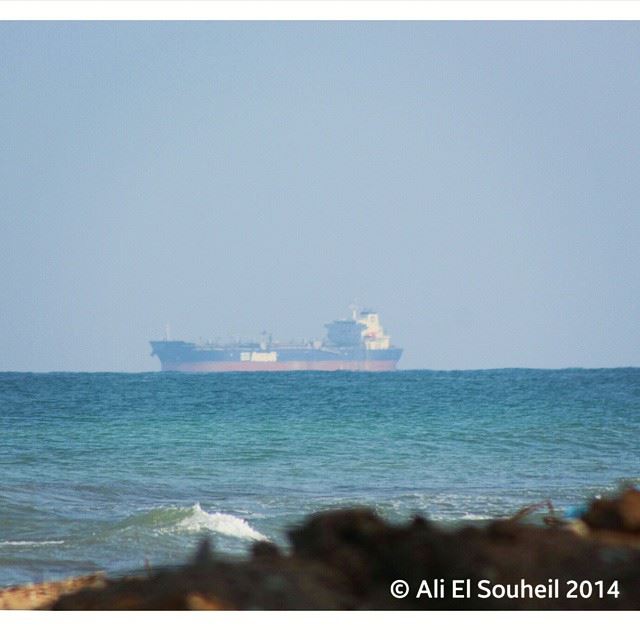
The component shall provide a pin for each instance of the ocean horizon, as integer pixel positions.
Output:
(399, 369)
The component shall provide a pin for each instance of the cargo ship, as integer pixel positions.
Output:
(355, 344)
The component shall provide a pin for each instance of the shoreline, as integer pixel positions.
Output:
(351, 559)
(39, 595)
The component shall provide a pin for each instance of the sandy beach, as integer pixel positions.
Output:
(44, 594)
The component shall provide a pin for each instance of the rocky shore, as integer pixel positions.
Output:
(349, 560)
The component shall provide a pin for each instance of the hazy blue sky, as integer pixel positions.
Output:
(477, 183)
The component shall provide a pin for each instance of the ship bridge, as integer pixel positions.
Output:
(363, 330)
(373, 335)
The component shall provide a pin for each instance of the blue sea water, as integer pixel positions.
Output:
(109, 471)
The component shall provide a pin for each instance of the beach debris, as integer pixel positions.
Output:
(204, 553)
(552, 518)
(619, 513)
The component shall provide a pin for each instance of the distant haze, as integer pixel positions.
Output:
(476, 183)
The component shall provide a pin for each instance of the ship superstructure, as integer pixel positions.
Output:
(355, 344)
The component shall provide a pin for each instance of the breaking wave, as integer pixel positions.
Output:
(224, 523)
(195, 519)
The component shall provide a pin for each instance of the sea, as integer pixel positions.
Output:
(116, 472)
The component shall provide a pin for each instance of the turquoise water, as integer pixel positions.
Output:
(109, 471)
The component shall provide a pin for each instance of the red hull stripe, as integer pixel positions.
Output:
(322, 365)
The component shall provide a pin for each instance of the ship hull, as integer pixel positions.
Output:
(191, 358)
(327, 365)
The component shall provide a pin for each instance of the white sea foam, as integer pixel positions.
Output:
(224, 523)
(29, 543)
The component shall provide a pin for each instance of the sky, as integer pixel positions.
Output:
(475, 183)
